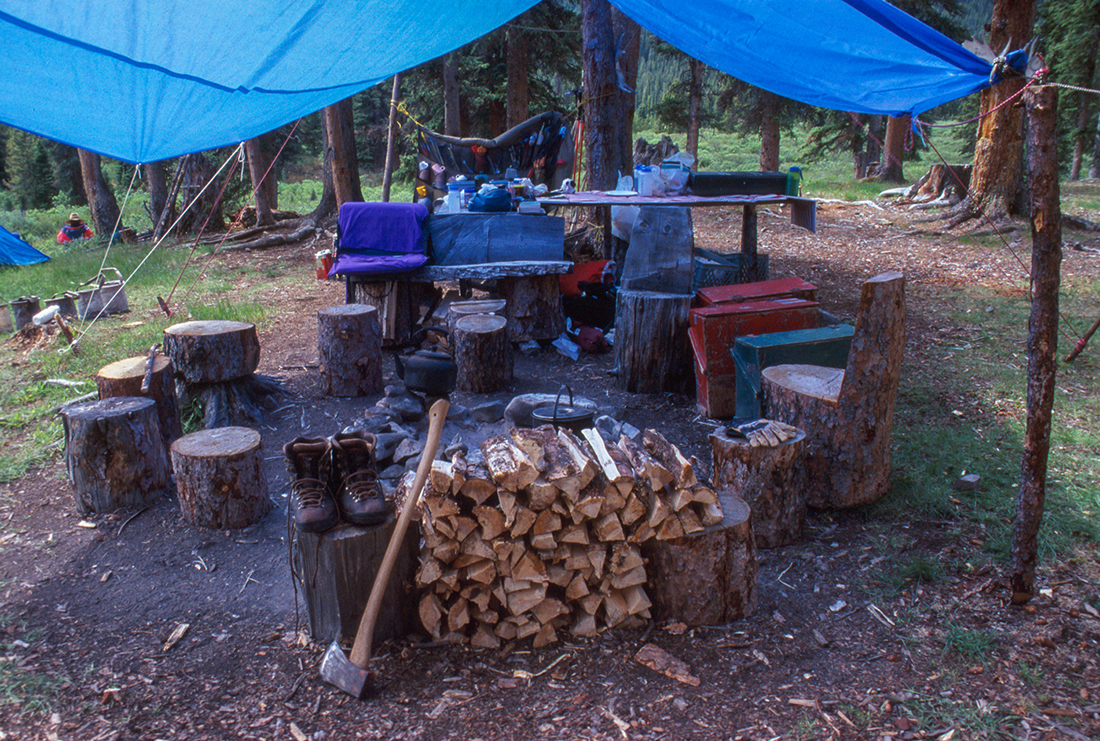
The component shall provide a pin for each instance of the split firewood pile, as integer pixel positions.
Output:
(542, 533)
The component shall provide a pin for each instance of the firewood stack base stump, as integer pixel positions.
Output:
(220, 478)
(349, 342)
(115, 454)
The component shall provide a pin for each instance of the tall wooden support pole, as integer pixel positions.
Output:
(391, 139)
(1042, 331)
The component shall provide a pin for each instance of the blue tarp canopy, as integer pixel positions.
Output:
(145, 81)
(15, 251)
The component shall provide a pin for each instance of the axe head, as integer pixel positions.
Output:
(337, 670)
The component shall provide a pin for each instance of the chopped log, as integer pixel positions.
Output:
(609, 528)
(212, 351)
(522, 522)
(533, 307)
(633, 510)
(510, 466)
(616, 468)
(708, 578)
(637, 600)
(645, 464)
(482, 353)
(545, 636)
(584, 626)
(125, 377)
(484, 637)
(533, 442)
(491, 520)
(337, 569)
(671, 458)
(478, 485)
(239, 402)
(583, 459)
(651, 341)
(541, 494)
(349, 341)
(115, 454)
(220, 479)
(443, 478)
(431, 615)
(771, 480)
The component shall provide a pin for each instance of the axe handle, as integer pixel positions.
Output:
(364, 637)
(150, 361)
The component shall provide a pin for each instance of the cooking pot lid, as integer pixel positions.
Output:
(564, 414)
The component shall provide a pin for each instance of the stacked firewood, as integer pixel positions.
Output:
(543, 535)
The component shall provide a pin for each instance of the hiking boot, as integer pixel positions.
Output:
(311, 499)
(358, 491)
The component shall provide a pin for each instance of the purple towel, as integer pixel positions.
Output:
(380, 238)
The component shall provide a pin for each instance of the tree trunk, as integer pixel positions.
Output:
(1094, 170)
(601, 95)
(341, 141)
(157, 175)
(695, 104)
(327, 204)
(628, 37)
(890, 167)
(1042, 342)
(101, 199)
(518, 94)
(1080, 136)
(859, 158)
(769, 131)
(207, 212)
(997, 183)
(391, 139)
(258, 163)
(452, 101)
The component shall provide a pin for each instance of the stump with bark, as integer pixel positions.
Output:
(220, 479)
(771, 480)
(459, 309)
(115, 454)
(652, 351)
(483, 353)
(337, 570)
(532, 306)
(708, 577)
(349, 340)
(125, 378)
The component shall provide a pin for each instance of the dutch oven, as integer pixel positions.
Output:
(432, 372)
(570, 417)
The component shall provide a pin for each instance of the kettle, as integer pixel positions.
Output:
(431, 372)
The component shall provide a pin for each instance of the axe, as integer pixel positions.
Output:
(350, 673)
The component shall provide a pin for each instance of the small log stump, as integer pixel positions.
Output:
(460, 309)
(337, 569)
(708, 578)
(772, 481)
(220, 478)
(652, 350)
(212, 351)
(349, 338)
(124, 378)
(483, 353)
(533, 307)
(115, 454)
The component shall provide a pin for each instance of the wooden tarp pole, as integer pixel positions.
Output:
(391, 139)
(1042, 340)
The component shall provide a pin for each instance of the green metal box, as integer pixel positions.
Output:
(827, 346)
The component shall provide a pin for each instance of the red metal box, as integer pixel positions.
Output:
(715, 395)
(758, 291)
(719, 325)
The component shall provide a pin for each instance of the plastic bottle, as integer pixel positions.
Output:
(794, 181)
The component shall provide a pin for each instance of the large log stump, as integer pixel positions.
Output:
(652, 351)
(337, 571)
(771, 480)
(349, 338)
(124, 378)
(115, 454)
(220, 478)
(848, 415)
(212, 351)
(708, 578)
(459, 309)
(398, 303)
(533, 307)
(483, 353)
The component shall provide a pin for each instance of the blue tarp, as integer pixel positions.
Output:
(144, 81)
(15, 251)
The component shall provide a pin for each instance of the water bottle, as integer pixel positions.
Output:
(794, 181)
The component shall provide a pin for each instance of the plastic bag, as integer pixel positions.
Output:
(674, 173)
(493, 200)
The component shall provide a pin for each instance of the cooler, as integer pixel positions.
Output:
(826, 346)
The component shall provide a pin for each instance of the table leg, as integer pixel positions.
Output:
(748, 240)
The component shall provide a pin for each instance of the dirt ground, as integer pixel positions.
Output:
(90, 603)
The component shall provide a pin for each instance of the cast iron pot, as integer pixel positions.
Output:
(570, 417)
(431, 372)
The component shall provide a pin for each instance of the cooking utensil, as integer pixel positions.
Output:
(431, 372)
(571, 417)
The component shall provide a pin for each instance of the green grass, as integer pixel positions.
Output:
(31, 693)
(969, 645)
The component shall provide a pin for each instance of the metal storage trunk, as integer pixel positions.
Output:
(720, 324)
(827, 346)
(758, 291)
(715, 394)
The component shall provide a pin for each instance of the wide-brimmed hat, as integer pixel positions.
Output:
(74, 219)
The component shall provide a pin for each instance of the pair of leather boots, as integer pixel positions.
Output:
(334, 478)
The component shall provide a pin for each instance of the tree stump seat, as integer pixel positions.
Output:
(115, 454)
(349, 341)
(220, 479)
(482, 353)
(125, 377)
(651, 341)
(771, 480)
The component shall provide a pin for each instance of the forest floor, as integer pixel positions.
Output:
(833, 651)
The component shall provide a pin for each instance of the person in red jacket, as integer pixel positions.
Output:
(74, 228)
